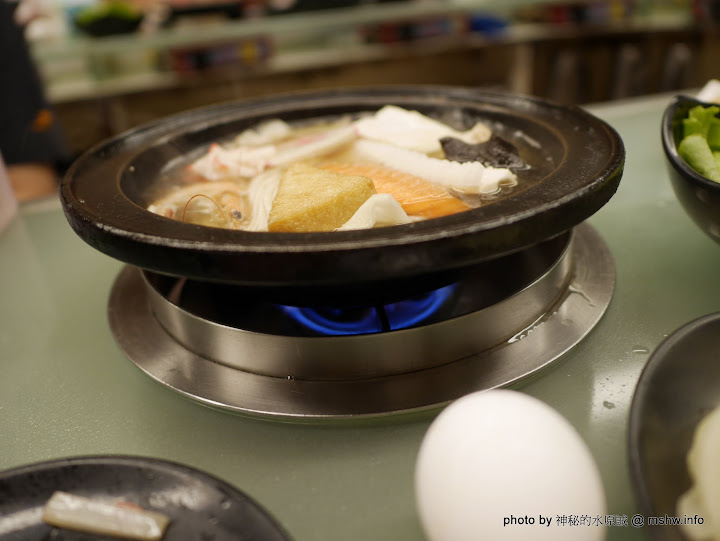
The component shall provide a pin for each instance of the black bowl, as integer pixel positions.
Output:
(106, 191)
(679, 385)
(699, 196)
(199, 505)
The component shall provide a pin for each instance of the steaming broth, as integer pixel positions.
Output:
(234, 183)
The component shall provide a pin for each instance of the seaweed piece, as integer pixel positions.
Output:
(495, 152)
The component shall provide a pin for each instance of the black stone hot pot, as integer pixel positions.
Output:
(106, 191)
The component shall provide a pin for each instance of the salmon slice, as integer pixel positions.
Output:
(417, 196)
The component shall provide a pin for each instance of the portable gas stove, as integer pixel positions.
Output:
(355, 323)
(500, 323)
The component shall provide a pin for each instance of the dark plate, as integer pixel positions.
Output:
(699, 196)
(104, 194)
(200, 506)
(679, 386)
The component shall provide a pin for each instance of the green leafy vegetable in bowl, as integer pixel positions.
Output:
(700, 145)
(111, 8)
(108, 17)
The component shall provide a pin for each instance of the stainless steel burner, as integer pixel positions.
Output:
(408, 370)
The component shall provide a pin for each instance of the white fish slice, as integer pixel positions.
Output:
(261, 194)
(73, 512)
(313, 146)
(379, 210)
(264, 134)
(469, 177)
(222, 163)
(413, 130)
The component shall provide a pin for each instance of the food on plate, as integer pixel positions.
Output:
(312, 199)
(294, 178)
(117, 519)
(703, 497)
(700, 144)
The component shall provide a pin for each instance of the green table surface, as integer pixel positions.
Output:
(66, 389)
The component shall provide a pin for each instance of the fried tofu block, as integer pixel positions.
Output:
(313, 199)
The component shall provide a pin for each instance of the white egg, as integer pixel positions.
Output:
(501, 465)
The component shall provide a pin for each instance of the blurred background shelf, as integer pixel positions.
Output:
(575, 52)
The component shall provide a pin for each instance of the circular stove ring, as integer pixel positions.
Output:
(531, 349)
(224, 325)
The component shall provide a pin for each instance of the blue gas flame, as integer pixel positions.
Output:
(333, 321)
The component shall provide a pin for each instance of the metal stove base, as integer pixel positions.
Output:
(148, 346)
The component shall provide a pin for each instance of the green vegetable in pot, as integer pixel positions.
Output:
(700, 119)
(694, 149)
(700, 146)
